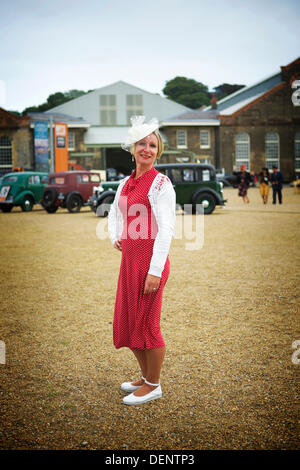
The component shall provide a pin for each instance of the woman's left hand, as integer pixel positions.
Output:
(151, 284)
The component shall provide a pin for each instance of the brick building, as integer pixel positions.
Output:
(16, 148)
(257, 126)
(262, 129)
(17, 140)
(196, 132)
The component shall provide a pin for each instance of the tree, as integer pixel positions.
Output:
(30, 109)
(16, 113)
(187, 91)
(56, 99)
(226, 89)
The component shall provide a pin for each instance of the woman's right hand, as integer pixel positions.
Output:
(118, 245)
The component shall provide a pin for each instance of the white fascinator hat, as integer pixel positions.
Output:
(139, 129)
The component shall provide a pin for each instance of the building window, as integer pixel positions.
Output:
(204, 139)
(71, 140)
(5, 153)
(181, 140)
(297, 151)
(134, 106)
(202, 159)
(108, 110)
(272, 149)
(242, 150)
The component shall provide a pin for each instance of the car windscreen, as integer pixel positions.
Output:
(95, 178)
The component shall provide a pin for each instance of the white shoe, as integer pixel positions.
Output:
(128, 387)
(153, 395)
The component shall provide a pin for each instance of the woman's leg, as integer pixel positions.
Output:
(154, 360)
(142, 360)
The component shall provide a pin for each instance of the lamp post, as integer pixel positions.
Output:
(51, 145)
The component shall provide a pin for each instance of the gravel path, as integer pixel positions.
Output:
(230, 316)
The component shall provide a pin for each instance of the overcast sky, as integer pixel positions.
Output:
(49, 46)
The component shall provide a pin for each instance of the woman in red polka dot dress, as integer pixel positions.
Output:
(141, 225)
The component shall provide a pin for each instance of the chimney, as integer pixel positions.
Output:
(213, 101)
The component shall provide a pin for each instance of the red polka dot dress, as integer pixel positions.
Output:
(137, 315)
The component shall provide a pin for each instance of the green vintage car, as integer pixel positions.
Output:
(195, 185)
(22, 189)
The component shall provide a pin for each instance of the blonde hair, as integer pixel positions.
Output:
(160, 147)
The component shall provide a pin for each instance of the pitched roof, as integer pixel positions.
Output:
(243, 105)
(89, 107)
(240, 98)
(72, 121)
(247, 96)
(192, 118)
(8, 119)
(195, 115)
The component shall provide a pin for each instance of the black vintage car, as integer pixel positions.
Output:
(194, 183)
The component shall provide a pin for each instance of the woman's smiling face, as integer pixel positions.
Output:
(146, 150)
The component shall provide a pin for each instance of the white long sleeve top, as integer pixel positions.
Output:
(162, 199)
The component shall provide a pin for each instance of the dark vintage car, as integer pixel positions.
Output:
(230, 180)
(69, 189)
(22, 189)
(194, 183)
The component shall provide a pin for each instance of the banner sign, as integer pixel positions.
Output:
(61, 146)
(41, 146)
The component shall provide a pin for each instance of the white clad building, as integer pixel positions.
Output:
(108, 111)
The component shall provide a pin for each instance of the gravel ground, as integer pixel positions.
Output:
(229, 320)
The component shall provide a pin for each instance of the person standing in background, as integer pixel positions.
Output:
(243, 178)
(264, 187)
(276, 181)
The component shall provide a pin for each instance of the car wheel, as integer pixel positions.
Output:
(6, 207)
(74, 203)
(27, 204)
(49, 197)
(103, 209)
(52, 209)
(207, 201)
